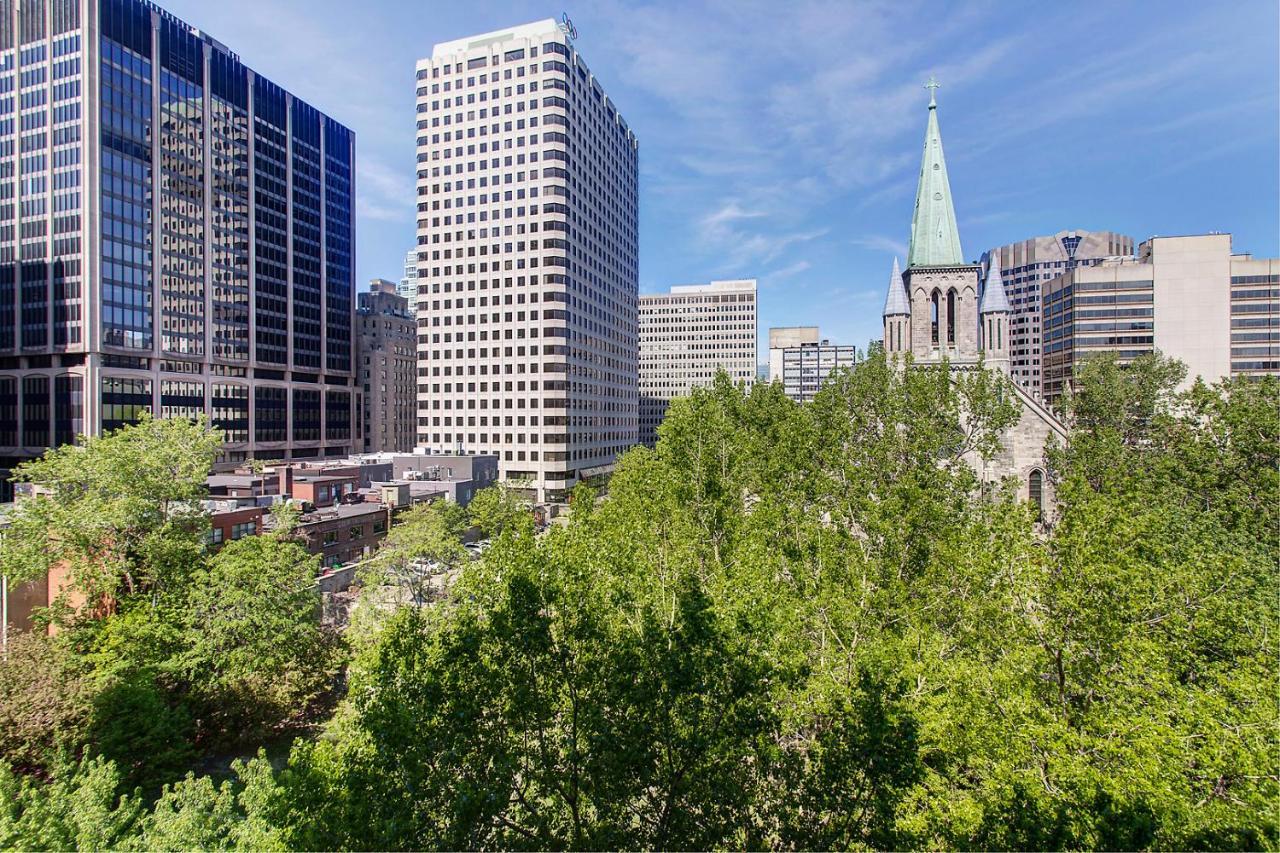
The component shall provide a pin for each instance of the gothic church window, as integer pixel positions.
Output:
(951, 317)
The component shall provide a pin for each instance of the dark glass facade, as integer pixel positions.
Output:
(208, 271)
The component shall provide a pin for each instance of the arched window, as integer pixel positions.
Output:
(951, 317)
(1035, 491)
(933, 317)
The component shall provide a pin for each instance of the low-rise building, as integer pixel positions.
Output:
(344, 534)
(459, 476)
(782, 338)
(230, 520)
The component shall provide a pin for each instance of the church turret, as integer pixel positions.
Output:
(897, 314)
(994, 316)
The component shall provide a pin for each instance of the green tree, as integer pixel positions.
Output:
(497, 509)
(255, 650)
(120, 510)
(198, 814)
(420, 549)
(45, 701)
(79, 808)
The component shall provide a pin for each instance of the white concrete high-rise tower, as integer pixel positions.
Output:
(527, 258)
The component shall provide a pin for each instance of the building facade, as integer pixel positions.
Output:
(686, 336)
(1189, 298)
(386, 359)
(802, 360)
(806, 368)
(176, 234)
(408, 286)
(1024, 266)
(941, 310)
(783, 337)
(527, 263)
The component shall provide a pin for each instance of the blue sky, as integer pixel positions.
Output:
(781, 141)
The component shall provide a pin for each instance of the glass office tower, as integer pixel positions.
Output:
(175, 235)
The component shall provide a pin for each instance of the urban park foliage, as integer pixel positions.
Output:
(785, 627)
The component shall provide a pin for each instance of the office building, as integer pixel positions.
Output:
(1189, 298)
(408, 287)
(386, 359)
(1024, 266)
(175, 235)
(782, 338)
(527, 259)
(689, 334)
(807, 366)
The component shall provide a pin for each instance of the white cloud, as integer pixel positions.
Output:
(881, 243)
(383, 193)
(747, 237)
(787, 272)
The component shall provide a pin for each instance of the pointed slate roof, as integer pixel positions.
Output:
(895, 302)
(935, 241)
(993, 295)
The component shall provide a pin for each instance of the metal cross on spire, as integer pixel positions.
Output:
(932, 86)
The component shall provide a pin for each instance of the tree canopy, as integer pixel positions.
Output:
(804, 627)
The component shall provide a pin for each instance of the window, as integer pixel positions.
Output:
(357, 532)
(933, 317)
(331, 537)
(246, 528)
(214, 536)
(951, 317)
(1035, 491)
(379, 527)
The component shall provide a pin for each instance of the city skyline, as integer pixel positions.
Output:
(810, 201)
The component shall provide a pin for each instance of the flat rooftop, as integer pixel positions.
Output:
(330, 513)
(534, 29)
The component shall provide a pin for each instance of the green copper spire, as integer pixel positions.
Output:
(935, 242)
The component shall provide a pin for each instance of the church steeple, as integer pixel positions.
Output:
(935, 241)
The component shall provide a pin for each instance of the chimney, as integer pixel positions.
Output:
(286, 481)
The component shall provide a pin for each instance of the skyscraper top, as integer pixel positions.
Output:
(935, 241)
(534, 29)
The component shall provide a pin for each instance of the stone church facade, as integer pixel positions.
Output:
(941, 308)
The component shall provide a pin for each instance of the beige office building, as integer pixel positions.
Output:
(689, 334)
(527, 267)
(782, 338)
(1025, 266)
(1189, 298)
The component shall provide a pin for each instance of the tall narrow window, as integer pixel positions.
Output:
(951, 317)
(933, 317)
(1035, 490)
